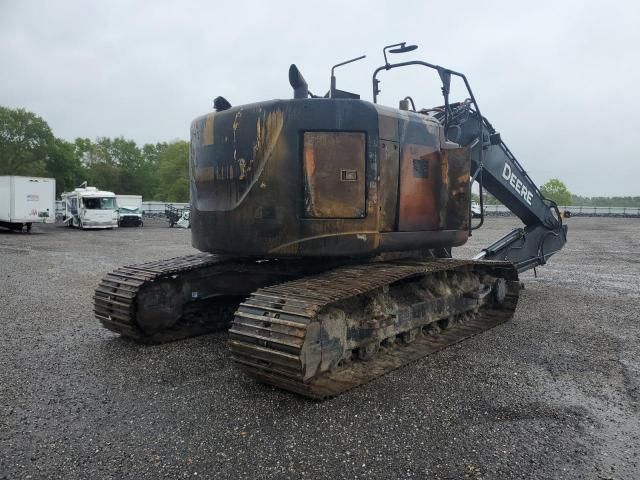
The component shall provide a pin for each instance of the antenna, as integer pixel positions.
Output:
(332, 90)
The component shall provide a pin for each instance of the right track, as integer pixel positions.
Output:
(297, 335)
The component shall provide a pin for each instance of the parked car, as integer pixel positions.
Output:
(129, 217)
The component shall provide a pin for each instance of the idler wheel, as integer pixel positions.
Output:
(368, 351)
(159, 307)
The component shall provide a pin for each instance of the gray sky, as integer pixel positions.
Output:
(559, 80)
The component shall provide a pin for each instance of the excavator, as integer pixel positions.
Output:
(326, 225)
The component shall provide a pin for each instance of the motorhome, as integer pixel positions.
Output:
(25, 201)
(88, 207)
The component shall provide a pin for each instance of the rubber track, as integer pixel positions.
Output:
(268, 331)
(114, 299)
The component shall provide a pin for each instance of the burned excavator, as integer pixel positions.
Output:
(326, 226)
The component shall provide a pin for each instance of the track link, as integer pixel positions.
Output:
(116, 298)
(271, 333)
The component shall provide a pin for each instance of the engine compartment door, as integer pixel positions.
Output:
(420, 185)
(334, 174)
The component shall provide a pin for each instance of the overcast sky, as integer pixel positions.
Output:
(558, 79)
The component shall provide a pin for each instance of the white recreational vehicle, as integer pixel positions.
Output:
(26, 200)
(88, 207)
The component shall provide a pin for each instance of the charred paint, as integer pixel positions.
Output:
(256, 190)
(207, 132)
(334, 174)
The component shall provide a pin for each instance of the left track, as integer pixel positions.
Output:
(167, 300)
(143, 302)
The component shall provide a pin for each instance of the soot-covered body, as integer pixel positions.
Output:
(325, 177)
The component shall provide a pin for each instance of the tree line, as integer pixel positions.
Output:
(557, 191)
(157, 171)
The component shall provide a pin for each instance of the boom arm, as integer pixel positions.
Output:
(496, 169)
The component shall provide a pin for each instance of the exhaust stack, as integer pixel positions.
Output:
(297, 81)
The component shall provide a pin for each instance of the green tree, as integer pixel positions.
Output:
(25, 139)
(173, 173)
(82, 148)
(148, 171)
(64, 165)
(118, 165)
(557, 191)
(606, 201)
(490, 199)
(127, 156)
(151, 152)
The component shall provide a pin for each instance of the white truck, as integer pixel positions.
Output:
(476, 211)
(88, 207)
(25, 201)
(129, 210)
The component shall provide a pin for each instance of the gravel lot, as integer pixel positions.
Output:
(555, 393)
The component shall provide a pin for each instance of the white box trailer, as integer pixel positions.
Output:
(88, 207)
(26, 200)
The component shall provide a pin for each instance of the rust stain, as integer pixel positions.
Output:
(444, 188)
(207, 134)
(243, 168)
(419, 207)
(289, 246)
(267, 133)
(211, 174)
(334, 169)
(202, 174)
(236, 124)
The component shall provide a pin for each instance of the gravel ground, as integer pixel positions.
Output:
(552, 394)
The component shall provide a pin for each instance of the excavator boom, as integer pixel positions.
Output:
(498, 171)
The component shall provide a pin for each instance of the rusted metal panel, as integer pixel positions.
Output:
(420, 183)
(389, 164)
(251, 181)
(459, 189)
(388, 126)
(207, 133)
(334, 174)
(444, 187)
(229, 158)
